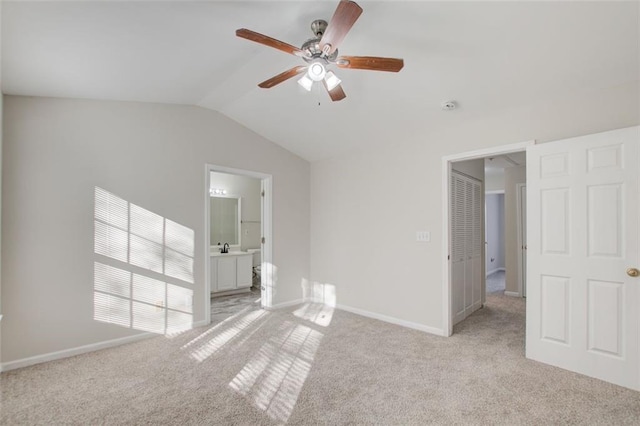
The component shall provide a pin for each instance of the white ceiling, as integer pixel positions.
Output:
(486, 55)
(501, 162)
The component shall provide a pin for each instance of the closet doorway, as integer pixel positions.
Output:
(468, 259)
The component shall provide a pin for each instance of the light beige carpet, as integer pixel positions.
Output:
(312, 365)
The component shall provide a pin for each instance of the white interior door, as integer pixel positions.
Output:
(582, 212)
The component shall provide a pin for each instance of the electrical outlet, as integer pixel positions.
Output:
(423, 236)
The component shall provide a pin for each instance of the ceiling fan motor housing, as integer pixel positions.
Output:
(312, 46)
(318, 27)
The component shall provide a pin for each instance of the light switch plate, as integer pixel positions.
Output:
(423, 236)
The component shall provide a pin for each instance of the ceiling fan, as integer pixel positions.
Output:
(322, 50)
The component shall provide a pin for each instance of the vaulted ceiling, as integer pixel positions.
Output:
(488, 56)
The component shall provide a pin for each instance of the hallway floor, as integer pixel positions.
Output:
(227, 306)
(496, 283)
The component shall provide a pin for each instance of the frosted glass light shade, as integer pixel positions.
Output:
(332, 80)
(306, 82)
(316, 71)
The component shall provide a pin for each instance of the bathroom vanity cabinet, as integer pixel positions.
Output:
(231, 272)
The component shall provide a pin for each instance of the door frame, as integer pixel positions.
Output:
(266, 227)
(521, 230)
(447, 312)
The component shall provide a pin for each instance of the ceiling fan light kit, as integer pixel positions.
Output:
(321, 51)
(332, 80)
(316, 71)
(306, 82)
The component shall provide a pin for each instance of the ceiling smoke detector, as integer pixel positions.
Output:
(448, 105)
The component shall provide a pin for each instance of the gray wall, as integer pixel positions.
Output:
(57, 151)
(473, 168)
(366, 204)
(494, 180)
(494, 232)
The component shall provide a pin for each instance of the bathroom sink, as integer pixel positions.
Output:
(231, 253)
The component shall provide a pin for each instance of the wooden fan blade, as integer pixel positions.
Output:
(344, 17)
(269, 41)
(337, 94)
(370, 63)
(283, 76)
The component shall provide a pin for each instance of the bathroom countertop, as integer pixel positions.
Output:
(231, 253)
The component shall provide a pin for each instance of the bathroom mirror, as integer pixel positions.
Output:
(225, 220)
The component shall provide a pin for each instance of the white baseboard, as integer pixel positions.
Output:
(393, 320)
(231, 292)
(201, 323)
(66, 353)
(493, 271)
(512, 293)
(368, 314)
(285, 304)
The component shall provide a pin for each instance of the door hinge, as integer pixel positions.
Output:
(262, 194)
(449, 257)
(263, 240)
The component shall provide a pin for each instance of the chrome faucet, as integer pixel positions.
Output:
(225, 248)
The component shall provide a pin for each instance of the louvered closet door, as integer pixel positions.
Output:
(477, 242)
(466, 245)
(458, 243)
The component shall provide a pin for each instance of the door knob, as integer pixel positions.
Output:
(633, 272)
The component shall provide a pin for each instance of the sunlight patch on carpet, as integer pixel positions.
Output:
(274, 377)
(317, 313)
(223, 336)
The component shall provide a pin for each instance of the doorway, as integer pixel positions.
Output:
(232, 270)
(451, 281)
(494, 237)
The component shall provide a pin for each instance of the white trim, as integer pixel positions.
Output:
(223, 293)
(52, 356)
(200, 323)
(493, 271)
(207, 237)
(284, 305)
(519, 231)
(266, 249)
(266, 227)
(392, 320)
(494, 192)
(512, 293)
(66, 353)
(447, 322)
(487, 152)
(364, 313)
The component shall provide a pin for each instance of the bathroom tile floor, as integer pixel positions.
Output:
(495, 283)
(227, 306)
